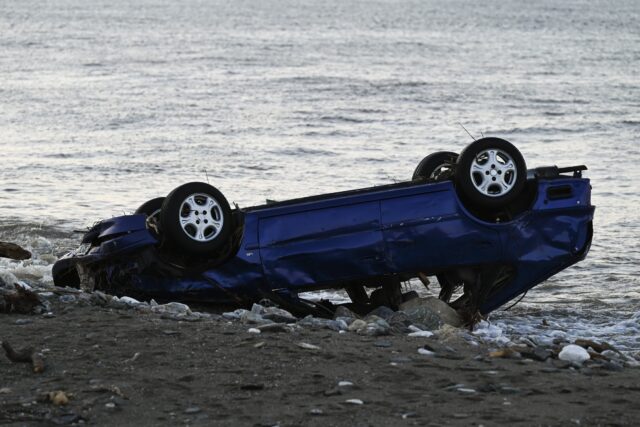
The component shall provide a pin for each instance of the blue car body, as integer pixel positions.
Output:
(359, 236)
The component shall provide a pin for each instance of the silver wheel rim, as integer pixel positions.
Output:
(493, 173)
(201, 217)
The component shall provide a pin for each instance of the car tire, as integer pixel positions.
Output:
(490, 173)
(196, 218)
(151, 208)
(436, 166)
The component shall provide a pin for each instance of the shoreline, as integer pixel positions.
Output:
(125, 366)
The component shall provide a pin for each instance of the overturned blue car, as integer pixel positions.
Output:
(487, 228)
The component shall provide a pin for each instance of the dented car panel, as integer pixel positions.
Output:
(359, 237)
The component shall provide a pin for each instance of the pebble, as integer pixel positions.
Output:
(382, 312)
(426, 352)
(234, 315)
(253, 318)
(382, 344)
(612, 366)
(254, 331)
(192, 410)
(400, 359)
(314, 322)
(5, 390)
(173, 308)
(67, 298)
(308, 346)
(130, 301)
(574, 353)
(345, 384)
(343, 311)
(421, 334)
(316, 411)
(278, 315)
(466, 390)
(354, 401)
(538, 353)
(357, 325)
(23, 321)
(58, 398)
(110, 405)
(257, 309)
(332, 392)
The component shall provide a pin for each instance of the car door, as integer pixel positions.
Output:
(428, 231)
(321, 244)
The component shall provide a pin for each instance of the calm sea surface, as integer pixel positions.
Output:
(104, 105)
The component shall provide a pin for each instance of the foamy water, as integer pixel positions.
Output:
(105, 105)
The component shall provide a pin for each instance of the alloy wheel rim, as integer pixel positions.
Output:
(201, 217)
(493, 173)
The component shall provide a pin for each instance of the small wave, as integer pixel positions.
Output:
(303, 151)
(58, 156)
(344, 119)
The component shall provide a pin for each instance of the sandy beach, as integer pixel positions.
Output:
(120, 366)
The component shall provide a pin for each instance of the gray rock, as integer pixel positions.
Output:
(431, 312)
(234, 315)
(84, 298)
(357, 325)
(315, 322)
(399, 322)
(425, 317)
(257, 309)
(23, 321)
(343, 311)
(174, 308)
(611, 366)
(253, 318)
(346, 320)
(342, 325)
(382, 312)
(117, 304)
(67, 299)
(376, 327)
(192, 410)
(538, 353)
(99, 298)
(278, 315)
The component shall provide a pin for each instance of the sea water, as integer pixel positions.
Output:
(106, 104)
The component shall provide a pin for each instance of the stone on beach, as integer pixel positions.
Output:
(574, 353)
(431, 312)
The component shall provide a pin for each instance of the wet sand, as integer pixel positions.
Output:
(121, 367)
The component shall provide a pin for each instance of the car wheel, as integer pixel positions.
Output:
(151, 208)
(196, 218)
(436, 166)
(491, 173)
